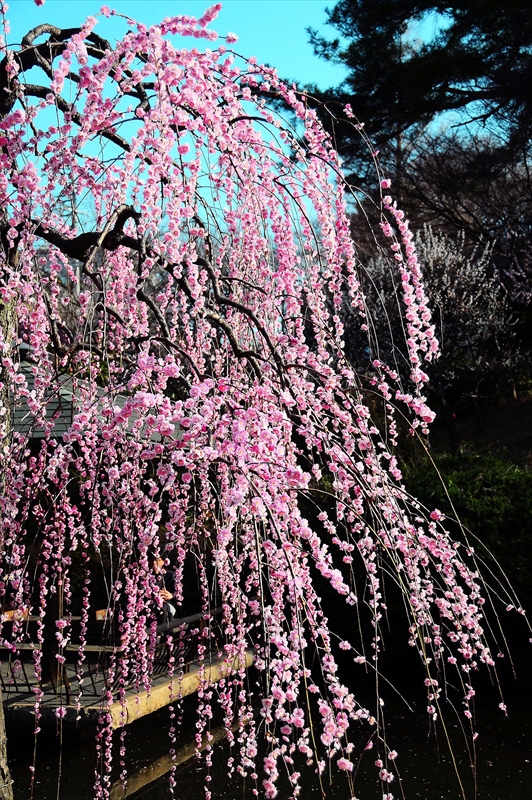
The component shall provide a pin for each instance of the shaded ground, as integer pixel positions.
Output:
(506, 432)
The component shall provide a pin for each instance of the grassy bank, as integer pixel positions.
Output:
(488, 487)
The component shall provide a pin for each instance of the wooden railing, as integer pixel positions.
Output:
(103, 667)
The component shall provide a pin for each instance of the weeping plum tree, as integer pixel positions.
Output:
(178, 255)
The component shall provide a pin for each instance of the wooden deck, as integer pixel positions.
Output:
(84, 711)
(79, 698)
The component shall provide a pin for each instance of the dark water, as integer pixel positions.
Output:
(503, 763)
(503, 755)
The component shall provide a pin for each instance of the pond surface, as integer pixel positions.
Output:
(503, 757)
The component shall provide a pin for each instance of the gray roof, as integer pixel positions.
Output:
(61, 406)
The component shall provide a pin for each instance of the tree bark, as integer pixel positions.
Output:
(7, 325)
(6, 783)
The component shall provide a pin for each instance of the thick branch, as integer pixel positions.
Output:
(81, 247)
(42, 56)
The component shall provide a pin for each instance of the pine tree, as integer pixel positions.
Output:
(410, 61)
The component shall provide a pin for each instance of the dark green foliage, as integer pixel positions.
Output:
(492, 498)
(412, 60)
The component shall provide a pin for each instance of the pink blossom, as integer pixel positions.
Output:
(270, 790)
(345, 764)
(210, 14)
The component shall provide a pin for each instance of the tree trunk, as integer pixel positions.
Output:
(8, 326)
(6, 784)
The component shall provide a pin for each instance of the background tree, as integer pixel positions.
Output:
(410, 62)
(413, 67)
(196, 315)
(443, 91)
(472, 314)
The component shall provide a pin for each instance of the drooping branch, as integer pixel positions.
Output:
(33, 90)
(85, 246)
(228, 301)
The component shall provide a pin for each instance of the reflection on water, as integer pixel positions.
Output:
(146, 775)
(503, 758)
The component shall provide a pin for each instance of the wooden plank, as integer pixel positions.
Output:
(165, 690)
(20, 710)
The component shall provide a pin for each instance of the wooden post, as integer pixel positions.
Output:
(6, 784)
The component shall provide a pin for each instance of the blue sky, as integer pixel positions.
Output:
(272, 30)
